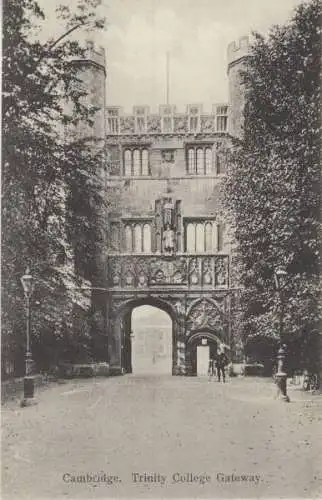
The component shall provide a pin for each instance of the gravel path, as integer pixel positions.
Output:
(162, 437)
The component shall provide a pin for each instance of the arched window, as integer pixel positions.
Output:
(220, 237)
(128, 239)
(138, 238)
(136, 162)
(208, 153)
(191, 238)
(145, 162)
(208, 239)
(200, 165)
(127, 162)
(191, 161)
(200, 238)
(199, 159)
(146, 238)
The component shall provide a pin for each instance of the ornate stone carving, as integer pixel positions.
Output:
(180, 124)
(154, 124)
(127, 125)
(207, 271)
(167, 272)
(140, 110)
(180, 308)
(194, 272)
(141, 271)
(128, 273)
(115, 271)
(194, 110)
(167, 156)
(221, 271)
(204, 315)
(207, 124)
(210, 272)
(167, 110)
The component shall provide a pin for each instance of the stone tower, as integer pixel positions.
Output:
(92, 73)
(236, 57)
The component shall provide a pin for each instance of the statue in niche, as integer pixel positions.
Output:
(168, 239)
(180, 125)
(221, 272)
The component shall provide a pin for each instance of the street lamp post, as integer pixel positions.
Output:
(281, 375)
(27, 284)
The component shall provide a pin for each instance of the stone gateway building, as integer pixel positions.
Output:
(168, 243)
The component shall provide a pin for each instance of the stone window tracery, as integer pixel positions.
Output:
(113, 124)
(127, 162)
(199, 160)
(137, 237)
(167, 125)
(222, 118)
(136, 162)
(145, 162)
(141, 113)
(201, 236)
(194, 119)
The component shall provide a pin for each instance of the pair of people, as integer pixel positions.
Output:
(218, 365)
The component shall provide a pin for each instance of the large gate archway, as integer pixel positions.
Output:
(194, 306)
(151, 341)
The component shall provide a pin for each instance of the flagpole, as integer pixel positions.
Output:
(167, 77)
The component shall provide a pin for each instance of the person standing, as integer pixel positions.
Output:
(211, 368)
(221, 362)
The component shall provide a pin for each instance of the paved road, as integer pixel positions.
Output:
(191, 437)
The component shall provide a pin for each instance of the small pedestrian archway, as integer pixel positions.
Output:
(151, 341)
(202, 347)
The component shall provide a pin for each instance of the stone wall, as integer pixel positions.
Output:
(199, 194)
(237, 57)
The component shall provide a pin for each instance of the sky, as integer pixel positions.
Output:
(196, 33)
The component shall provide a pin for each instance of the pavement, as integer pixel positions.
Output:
(162, 437)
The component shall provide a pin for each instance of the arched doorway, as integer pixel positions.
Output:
(126, 338)
(151, 341)
(202, 346)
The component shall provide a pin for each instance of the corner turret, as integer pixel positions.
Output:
(92, 72)
(237, 53)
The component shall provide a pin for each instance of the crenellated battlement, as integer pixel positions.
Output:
(95, 54)
(238, 49)
(167, 119)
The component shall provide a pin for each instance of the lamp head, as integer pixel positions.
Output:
(27, 282)
(280, 277)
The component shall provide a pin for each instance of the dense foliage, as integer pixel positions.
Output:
(45, 170)
(273, 186)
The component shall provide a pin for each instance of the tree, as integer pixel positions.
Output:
(273, 186)
(43, 171)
